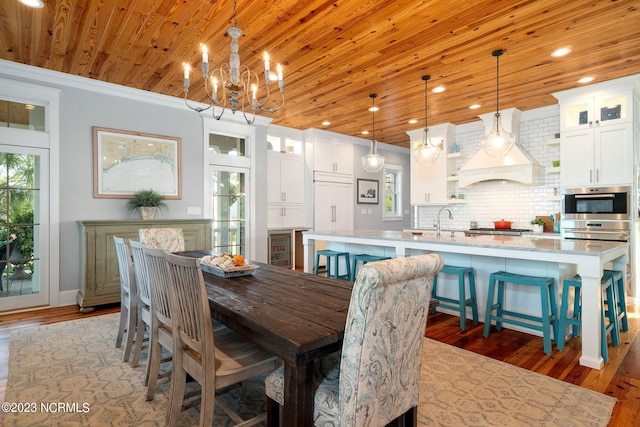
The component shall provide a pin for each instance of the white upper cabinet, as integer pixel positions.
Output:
(597, 111)
(284, 175)
(332, 153)
(430, 183)
(597, 123)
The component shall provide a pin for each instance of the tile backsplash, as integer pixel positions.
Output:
(491, 201)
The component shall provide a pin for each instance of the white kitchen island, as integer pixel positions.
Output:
(558, 258)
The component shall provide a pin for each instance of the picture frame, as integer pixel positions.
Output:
(368, 191)
(125, 162)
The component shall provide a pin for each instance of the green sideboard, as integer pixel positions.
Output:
(99, 274)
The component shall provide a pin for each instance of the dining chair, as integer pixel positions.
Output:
(168, 239)
(128, 298)
(143, 323)
(161, 335)
(214, 361)
(375, 379)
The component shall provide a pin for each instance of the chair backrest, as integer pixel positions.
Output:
(125, 268)
(381, 351)
(168, 239)
(141, 271)
(159, 285)
(192, 329)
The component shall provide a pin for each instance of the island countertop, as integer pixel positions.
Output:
(454, 238)
(587, 257)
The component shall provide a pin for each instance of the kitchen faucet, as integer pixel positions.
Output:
(437, 224)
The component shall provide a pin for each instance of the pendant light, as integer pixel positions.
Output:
(498, 142)
(424, 151)
(373, 161)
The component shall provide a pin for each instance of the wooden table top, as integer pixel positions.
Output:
(296, 316)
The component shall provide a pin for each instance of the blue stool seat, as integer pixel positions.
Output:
(576, 319)
(363, 258)
(620, 297)
(335, 256)
(460, 304)
(545, 323)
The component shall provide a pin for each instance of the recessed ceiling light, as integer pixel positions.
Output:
(365, 132)
(373, 108)
(438, 89)
(29, 107)
(474, 106)
(326, 123)
(413, 121)
(38, 4)
(561, 52)
(586, 80)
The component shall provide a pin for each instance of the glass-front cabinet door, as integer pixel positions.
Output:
(228, 208)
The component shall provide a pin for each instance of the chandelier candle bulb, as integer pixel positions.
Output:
(205, 55)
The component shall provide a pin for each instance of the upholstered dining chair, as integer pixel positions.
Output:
(215, 361)
(143, 323)
(128, 298)
(376, 377)
(168, 239)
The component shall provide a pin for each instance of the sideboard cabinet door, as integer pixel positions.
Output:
(99, 275)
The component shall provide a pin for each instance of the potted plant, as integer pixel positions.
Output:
(147, 203)
(538, 225)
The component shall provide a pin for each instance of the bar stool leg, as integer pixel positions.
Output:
(474, 299)
(490, 306)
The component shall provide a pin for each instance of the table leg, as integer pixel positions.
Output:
(298, 395)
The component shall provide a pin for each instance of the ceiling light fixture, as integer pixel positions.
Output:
(425, 151)
(585, 80)
(373, 161)
(238, 84)
(561, 52)
(498, 142)
(37, 4)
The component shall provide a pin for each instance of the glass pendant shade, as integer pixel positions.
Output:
(373, 161)
(424, 151)
(498, 141)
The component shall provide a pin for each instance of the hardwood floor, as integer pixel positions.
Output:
(620, 377)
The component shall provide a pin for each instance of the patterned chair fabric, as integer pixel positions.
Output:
(376, 378)
(167, 239)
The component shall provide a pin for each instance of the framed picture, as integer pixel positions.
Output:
(125, 162)
(368, 191)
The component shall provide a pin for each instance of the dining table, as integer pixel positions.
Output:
(299, 317)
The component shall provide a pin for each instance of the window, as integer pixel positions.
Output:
(392, 192)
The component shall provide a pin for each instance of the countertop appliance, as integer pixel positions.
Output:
(597, 213)
(494, 231)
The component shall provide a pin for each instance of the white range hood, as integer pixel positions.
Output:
(517, 165)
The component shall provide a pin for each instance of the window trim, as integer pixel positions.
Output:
(399, 172)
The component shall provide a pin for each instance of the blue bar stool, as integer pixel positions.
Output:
(335, 256)
(546, 323)
(460, 304)
(607, 288)
(620, 297)
(363, 258)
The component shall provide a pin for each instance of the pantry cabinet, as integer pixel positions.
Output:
(333, 201)
(285, 192)
(332, 155)
(430, 182)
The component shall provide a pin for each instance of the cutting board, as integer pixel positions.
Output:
(548, 224)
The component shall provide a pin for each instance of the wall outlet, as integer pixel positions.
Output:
(193, 210)
(363, 211)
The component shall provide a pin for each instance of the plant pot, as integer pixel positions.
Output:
(147, 212)
(537, 229)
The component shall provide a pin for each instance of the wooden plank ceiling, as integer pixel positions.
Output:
(335, 53)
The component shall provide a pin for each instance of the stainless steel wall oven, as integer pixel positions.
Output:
(598, 213)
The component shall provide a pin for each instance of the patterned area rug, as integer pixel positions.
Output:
(461, 388)
(75, 371)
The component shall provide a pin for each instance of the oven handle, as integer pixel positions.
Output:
(579, 231)
(593, 196)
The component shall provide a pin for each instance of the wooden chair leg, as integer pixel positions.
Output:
(273, 413)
